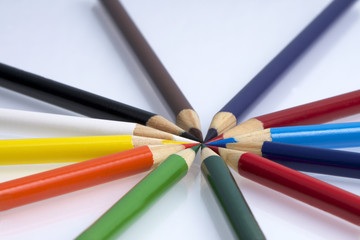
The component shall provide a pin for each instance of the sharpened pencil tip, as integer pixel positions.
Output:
(215, 149)
(190, 145)
(197, 133)
(220, 143)
(189, 136)
(212, 133)
(221, 137)
(196, 148)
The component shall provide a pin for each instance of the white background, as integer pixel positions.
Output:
(212, 49)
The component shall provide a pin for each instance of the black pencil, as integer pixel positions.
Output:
(80, 101)
(185, 115)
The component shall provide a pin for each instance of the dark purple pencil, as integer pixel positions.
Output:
(227, 117)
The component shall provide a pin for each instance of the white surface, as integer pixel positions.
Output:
(208, 47)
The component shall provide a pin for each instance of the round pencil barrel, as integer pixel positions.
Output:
(301, 187)
(230, 197)
(81, 101)
(311, 159)
(130, 206)
(74, 177)
(279, 64)
(317, 112)
(182, 109)
(45, 125)
(71, 149)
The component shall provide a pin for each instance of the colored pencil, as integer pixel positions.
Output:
(307, 159)
(227, 117)
(317, 112)
(71, 149)
(337, 135)
(118, 217)
(297, 185)
(229, 196)
(82, 175)
(45, 125)
(185, 115)
(80, 101)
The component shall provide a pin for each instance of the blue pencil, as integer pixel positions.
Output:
(337, 135)
(228, 115)
(308, 159)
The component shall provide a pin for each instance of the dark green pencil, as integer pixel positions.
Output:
(230, 198)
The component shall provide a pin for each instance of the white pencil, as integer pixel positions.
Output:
(45, 125)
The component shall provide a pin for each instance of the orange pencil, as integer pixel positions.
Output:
(81, 175)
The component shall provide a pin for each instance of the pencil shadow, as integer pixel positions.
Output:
(135, 69)
(24, 102)
(93, 202)
(282, 206)
(301, 67)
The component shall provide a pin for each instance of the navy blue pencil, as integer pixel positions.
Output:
(307, 159)
(227, 117)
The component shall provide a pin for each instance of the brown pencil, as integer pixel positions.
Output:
(186, 117)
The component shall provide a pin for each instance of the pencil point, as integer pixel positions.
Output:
(220, 137)
(221, 143)
(190, 145)
(212, 133)
(190, 136)
(197, 133)
(196, 148)
(215, 149)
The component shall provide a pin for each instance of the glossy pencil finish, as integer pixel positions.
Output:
(119, 216)
(311, 159)
(229, 196)
(46, 125)
(81, 175)
(317, 112)
(297, 185)
(80, 101)
(337, 135)
(185, 115)
(278, 65)
(71, 149)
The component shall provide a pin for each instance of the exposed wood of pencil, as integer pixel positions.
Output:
(154, 68)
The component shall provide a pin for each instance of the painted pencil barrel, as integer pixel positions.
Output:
(231, 199)
(71, 149)
(317, 112)
(316, 160)
(74, 177)
(137, 200)
(336, 135)
(55, 150)
(301, 187)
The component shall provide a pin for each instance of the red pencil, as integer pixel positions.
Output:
(321, 111)
(297, 185)
(81, 175)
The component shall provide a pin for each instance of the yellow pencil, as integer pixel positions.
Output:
(70, 149)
